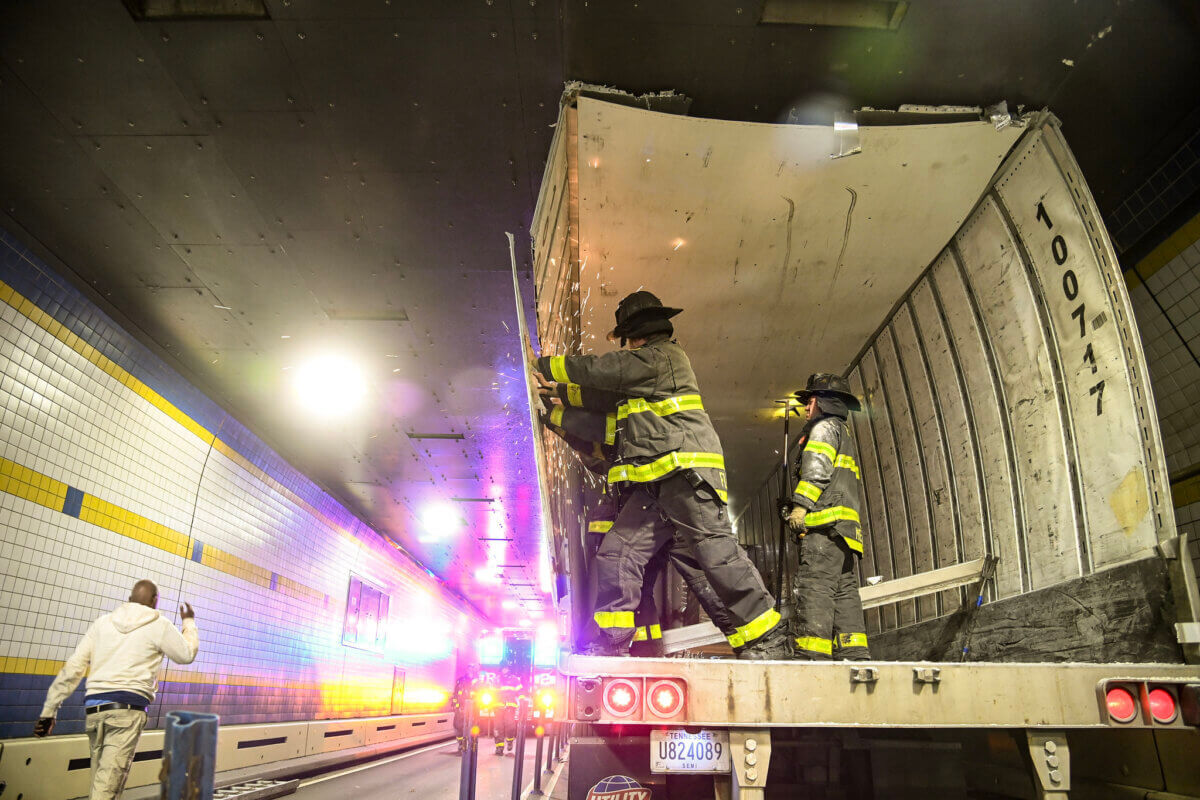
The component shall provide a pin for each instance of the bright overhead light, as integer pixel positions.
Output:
(329, 385)
(439, 520)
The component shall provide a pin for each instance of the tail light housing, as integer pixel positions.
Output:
(1150, 704)
(665, 699)
(1164, 708)
(1122, 703)
(622, 698)
(628, 699)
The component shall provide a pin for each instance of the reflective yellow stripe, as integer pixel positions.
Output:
(854, 544)
(556, 416)
(815, 644)
(660, 467)
(655, 631)
(600, 526)
(736, 640)
(806, 489)
(846, 462)
(724, 495)
(575, 394)
(828, 516)
(759, 625)
(661, 408)
(822, 448)
(614, 619)
(851, 640)
(558, 369)
(610, 429)
(639, 635)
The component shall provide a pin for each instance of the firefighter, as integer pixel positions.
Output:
(578, 426)
(670, 468)
(824, 517)
(508, 696)
(464, 694)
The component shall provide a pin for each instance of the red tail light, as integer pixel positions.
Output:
(1162, 705)
(621, 698)
(665, 699)
(1122, 705)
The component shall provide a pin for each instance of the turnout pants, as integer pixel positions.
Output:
(506, 726)
(113, 736)
(829, 618)
(699, 528)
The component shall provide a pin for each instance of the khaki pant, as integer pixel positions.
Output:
(113, 736)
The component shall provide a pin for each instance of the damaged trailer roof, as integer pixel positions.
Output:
(785, 257)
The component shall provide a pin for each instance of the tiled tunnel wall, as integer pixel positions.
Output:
(114, 469)
(1165, 291)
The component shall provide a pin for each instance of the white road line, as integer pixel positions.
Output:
(373, 764)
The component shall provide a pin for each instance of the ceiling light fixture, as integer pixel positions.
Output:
(329, 386)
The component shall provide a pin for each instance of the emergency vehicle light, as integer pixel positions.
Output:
(547, 699)
(621, 698)
(485, 699)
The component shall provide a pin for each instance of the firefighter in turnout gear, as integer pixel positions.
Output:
(583, 430)
(509, 692)
(464, 695)
(824, 517)
(670, 468)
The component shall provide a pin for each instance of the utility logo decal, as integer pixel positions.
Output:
(618, 787)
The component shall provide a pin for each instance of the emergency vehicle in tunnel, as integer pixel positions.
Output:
(1031, 608)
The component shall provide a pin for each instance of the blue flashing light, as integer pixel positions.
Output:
(490, 650)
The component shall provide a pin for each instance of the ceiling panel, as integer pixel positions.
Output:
(182, 186)
(286, 163)
(92, 69)
(225, 65)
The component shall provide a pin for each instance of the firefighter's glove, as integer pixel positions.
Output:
(795, 520)
(785, 508)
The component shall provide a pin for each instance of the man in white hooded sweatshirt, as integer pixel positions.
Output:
(120, 654)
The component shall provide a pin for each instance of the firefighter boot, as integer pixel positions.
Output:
(499, 748)
(508, 745)
(774, 645)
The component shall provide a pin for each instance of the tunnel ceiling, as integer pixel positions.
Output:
(340, 174)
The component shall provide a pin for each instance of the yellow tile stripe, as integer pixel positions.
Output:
(1157, 258)
(32, 486)
(47, 666)
(59, 331)
(45, 491)
(134, 526)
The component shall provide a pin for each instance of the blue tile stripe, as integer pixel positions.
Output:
(74, 502)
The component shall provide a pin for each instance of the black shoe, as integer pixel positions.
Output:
(774, 645)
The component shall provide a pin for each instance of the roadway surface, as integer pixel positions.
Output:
(428, 773)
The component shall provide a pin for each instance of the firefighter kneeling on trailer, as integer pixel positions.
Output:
(508, 697)
(671, 464)
(823, 515)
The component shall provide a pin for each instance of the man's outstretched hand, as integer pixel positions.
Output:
(186, 612)
(43, 727)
